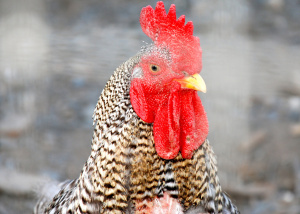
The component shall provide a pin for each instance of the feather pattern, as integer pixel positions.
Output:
(124, 174)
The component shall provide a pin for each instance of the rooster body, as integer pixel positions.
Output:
(129, 170)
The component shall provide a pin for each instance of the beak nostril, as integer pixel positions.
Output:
(185, 73)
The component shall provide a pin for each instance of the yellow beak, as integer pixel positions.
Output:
(193, 82)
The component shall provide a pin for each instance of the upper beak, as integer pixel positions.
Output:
(194, 82)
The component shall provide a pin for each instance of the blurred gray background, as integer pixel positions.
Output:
(56, 56)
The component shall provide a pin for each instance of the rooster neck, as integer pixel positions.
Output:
(114, 108)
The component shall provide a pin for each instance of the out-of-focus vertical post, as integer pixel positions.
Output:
(23, 58)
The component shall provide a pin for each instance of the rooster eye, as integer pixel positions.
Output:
(154, 68)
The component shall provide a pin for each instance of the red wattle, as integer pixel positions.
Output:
(166, 126)
(187, 122)
(180, 122)
(193, 123)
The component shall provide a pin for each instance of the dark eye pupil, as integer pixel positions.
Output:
(154, 68)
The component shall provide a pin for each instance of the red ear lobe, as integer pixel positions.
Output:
(139, 103)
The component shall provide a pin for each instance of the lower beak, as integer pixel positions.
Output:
(194, 82)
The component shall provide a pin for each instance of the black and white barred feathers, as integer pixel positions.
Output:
(124, 174)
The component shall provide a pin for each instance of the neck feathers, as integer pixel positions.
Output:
(114, 105)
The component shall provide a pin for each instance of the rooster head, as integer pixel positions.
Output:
(165, 83)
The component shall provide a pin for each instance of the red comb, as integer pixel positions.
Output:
(168, 32)
(159, 25)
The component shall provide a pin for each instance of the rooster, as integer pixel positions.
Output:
(149, 149)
